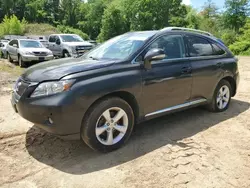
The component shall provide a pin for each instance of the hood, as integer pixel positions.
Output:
(34, 50)
(84, 43)
(56, 69)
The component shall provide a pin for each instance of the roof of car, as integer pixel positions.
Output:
(62, 34)
(176, 29)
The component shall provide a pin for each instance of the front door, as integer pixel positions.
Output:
(13, 49)
(57, 48)
(169, 82)
(52, 43)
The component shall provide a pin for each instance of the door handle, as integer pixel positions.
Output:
(186, 70)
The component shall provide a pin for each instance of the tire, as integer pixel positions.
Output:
(96, 130)
(66, 54)
(221, 100)
(20, 61)
(9, 58)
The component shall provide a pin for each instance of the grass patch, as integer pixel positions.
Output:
(40, 29)
(12, 69)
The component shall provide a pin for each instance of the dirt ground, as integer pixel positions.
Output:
(193, 148)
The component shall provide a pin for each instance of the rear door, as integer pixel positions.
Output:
(206, 59)
(57, 48)
(168, 83)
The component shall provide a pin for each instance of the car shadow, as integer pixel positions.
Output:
(74, 157)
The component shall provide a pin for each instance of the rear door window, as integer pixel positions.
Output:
(198, 46)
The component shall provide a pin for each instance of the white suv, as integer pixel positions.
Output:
(68, 45)
(27, 50)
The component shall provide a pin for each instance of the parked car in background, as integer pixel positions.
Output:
(45, 43)
(93, 42)
(26, 51)
(68, 45)
(129, 79)
(3, 44)
(42, 39)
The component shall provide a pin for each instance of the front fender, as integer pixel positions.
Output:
(88, 90)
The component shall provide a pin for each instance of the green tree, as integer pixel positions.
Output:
(92, 24)
(209, 19)
(69, 10)
(12, 26)
(66, 29)
(210, 10)
(113, 23)
(193, 19)
(153, 14)
(236, 13)
(242, 45)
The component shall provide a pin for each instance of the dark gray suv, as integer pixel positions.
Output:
(100, 96)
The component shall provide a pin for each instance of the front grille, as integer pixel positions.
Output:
(21, 87)
(40, 53)
(83, 48)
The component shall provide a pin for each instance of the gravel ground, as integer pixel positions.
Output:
(193, 148)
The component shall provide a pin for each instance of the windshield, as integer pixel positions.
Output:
(120, 47)
(71, 38)
(30, 44)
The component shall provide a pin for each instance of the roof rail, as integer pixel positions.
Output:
(186, 29)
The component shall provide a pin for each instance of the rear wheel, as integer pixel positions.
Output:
(20, 61)
(9, 58)
(108, 124)
(222, 97)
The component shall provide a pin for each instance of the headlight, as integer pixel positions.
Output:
(28, 53)
(50, 53)
(49, 88)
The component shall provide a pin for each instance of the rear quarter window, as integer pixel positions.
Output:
(217, 50)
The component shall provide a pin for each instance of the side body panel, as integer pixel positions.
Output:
(166, 84)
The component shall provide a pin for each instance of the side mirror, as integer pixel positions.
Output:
(15, 45)
(58, 42)
(153, 55)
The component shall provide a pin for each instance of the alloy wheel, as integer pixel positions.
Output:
(223, 97)
(111, 126)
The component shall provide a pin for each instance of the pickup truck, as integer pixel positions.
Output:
(68, 45)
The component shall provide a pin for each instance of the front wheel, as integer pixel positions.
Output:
(20, 61)
(108, 124)
(9, 58)
(66, 54)
(222, 97)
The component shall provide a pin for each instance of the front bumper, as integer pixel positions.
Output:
(52, 114)
(32, 58)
